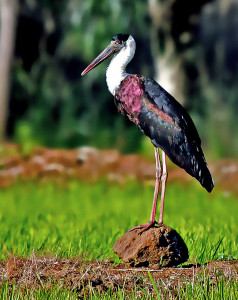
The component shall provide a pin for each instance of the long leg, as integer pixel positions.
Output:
(158, 175)
(163, 186)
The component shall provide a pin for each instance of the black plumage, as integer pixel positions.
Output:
(167, 124)
(158, 115)
(180, 139)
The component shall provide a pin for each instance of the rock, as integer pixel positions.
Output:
(156, 247)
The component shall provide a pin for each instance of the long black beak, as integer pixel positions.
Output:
(100, 58)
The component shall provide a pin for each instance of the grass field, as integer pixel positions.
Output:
(85, 220)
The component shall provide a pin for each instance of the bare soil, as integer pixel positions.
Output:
(91, 164)
(101, 276)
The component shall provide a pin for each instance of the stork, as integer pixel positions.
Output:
(157, 115)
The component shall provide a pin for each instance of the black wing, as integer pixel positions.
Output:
(172, 107)
(169, 126)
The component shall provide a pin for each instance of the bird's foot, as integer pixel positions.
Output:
(146, 226)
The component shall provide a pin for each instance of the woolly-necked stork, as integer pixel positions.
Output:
(158, 115)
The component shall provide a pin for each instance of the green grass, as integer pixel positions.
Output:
(83, 219)
(86, 219)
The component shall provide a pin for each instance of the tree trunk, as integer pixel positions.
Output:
(7, 41)
(168, 65)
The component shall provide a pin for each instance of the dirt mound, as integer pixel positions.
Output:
(45, 272)
(155, 247)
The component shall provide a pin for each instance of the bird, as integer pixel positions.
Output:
(158, 115)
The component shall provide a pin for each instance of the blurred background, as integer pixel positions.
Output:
(79, 173)
(189, 47)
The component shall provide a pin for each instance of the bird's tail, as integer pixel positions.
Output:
(200, 170)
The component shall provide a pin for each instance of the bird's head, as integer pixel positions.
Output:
(118, 42)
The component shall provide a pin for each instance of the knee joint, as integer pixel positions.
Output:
(158, 174)
(164, 176)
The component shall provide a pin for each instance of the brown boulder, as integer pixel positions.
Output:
(157, 247)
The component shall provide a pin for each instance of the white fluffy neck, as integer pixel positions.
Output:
(116, 70)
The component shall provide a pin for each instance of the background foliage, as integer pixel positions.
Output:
(52, 105)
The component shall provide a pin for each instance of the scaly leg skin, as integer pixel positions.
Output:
(163, 186)
(158, 175)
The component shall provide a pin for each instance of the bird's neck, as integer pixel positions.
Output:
(116, 70)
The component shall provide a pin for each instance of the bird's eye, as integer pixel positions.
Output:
(118, 42)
